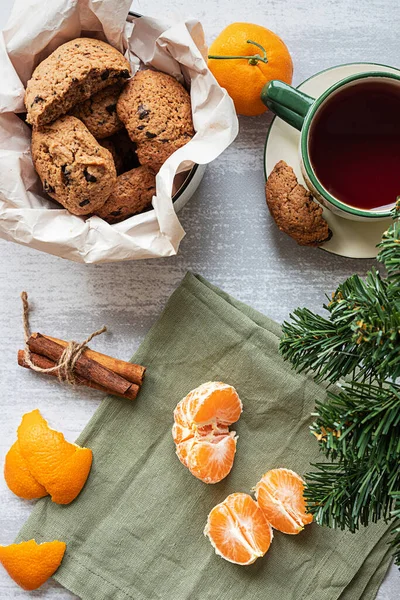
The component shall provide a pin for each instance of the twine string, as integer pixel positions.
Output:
(65, 366)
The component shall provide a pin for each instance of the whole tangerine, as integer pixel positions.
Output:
(243, 58)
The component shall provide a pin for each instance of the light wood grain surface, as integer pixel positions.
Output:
(230, 239)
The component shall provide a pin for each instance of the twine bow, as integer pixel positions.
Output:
(66, 364)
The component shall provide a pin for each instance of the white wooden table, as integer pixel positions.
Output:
(231, 239)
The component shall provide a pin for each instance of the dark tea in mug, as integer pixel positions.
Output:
(355, 144)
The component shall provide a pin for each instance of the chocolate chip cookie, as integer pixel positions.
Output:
(99, 112)
(70, 75)
(156, 111)
(293, 208)
(132, 193)
(74, 169)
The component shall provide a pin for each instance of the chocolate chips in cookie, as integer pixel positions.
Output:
(131, 195)
(99, 112)
(75, 170)
(156, 111)
(293, 208)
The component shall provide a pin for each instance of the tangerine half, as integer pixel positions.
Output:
(201, 433)
(238, 530)
(279, 494)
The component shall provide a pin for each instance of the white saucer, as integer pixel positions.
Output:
(354, 239)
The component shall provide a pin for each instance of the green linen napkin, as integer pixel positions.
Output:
(136, 530)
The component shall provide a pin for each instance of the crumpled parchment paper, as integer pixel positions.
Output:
(27, 216)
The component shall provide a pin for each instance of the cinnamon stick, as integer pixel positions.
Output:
(130, 371)
(46, 363)
(85, 367)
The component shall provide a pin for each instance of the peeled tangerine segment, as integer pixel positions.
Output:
(279, 494)
(212, 402)
(201, 433)
(60, 467)
(238, 530)
(30, 564)
(210, 461)
(18, 476)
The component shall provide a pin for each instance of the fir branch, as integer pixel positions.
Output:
(390, 247)
(359, 428)
(348, 495)
(361, 422)
(309, 339)
(360, 338)
(396, 530)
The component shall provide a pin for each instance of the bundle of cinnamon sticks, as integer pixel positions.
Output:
(92, 369)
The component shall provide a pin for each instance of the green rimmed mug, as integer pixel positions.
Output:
(299, 110)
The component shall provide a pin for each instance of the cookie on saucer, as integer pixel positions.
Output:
(293, 208)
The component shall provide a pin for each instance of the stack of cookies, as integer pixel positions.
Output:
(99, 135)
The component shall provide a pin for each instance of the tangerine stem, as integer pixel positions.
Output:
(253, 59)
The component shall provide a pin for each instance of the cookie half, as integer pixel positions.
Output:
(99, 112)
(71, 74)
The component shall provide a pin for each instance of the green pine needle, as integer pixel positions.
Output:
(348, 495)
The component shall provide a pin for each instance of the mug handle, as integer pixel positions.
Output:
(287, 102)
